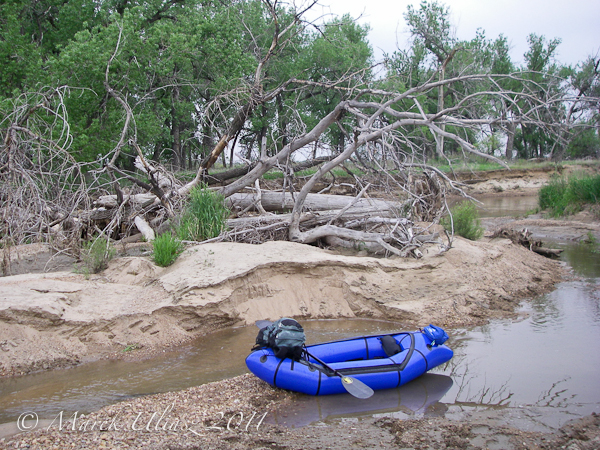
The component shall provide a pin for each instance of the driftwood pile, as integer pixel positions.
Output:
(259, 216)
(523, 238)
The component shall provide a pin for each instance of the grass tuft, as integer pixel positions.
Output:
(204, 217)
(166, 248)
(96, 255)
(465, 221)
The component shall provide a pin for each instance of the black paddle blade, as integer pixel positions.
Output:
(356, 387)
(263, 323)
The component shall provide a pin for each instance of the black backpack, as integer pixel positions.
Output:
(285, 336)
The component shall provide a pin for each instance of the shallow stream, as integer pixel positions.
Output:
(542, 370)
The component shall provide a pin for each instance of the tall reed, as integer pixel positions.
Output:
(204, 217)
(562, 197)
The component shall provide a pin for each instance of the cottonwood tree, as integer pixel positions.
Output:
(364, 122)
(581, 125)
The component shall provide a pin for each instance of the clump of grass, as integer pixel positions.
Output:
(592, 242)
(464, 221)
(96, 255)
(166, 248)
(552, 196)
(562, 197)
(131, 347)
(204, 217)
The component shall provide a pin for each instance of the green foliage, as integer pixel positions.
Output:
(489, 144)
(592, 242)
(166, 248)
(131, 347)
(176, 61)
(96, 254)
(465, 221)
(204, 217)
(564, 197)
(430, 27)
(585, 143)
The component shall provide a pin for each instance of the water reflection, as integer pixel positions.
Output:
(550, 359)
(420, 396)
(583, 258)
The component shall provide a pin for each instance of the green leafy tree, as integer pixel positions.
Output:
(340, 54)
(165, 62)
(584, 144)
(583, 112)
(436, 53)
(32, 32)
(542, 69)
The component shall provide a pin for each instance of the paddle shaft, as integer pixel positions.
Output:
(354, 386)
(335, 372)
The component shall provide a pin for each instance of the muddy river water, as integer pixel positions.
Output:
(544, 368)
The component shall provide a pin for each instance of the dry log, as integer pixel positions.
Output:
(372, 247)
(312, 219)
(110, 201)
(144, 228)
(523, 238)
(282, 201)
(548, 252)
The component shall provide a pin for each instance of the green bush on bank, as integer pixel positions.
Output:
(204, 217)
(465, 221)
(96, 254)
(165, 249)
(562, 197)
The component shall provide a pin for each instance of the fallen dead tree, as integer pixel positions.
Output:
(379, 220)
(284, 201)
(523, 238)
(378, 134)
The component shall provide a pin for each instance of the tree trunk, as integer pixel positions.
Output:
(178, 159)
(282, 124)
(207, 140)
(510, 142)
(176, 146)
(439, 139)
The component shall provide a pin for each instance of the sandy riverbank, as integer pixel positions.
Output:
(61, 318)
(68, 318)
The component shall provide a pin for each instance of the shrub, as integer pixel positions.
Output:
(204, 217)
(96, 255)
(166, 248)
(465, 219)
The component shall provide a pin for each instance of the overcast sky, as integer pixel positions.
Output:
(575, 22)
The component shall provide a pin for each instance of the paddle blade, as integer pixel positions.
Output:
(263, 323)
(356, 387)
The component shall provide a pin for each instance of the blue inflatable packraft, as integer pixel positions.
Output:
(363, 358)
